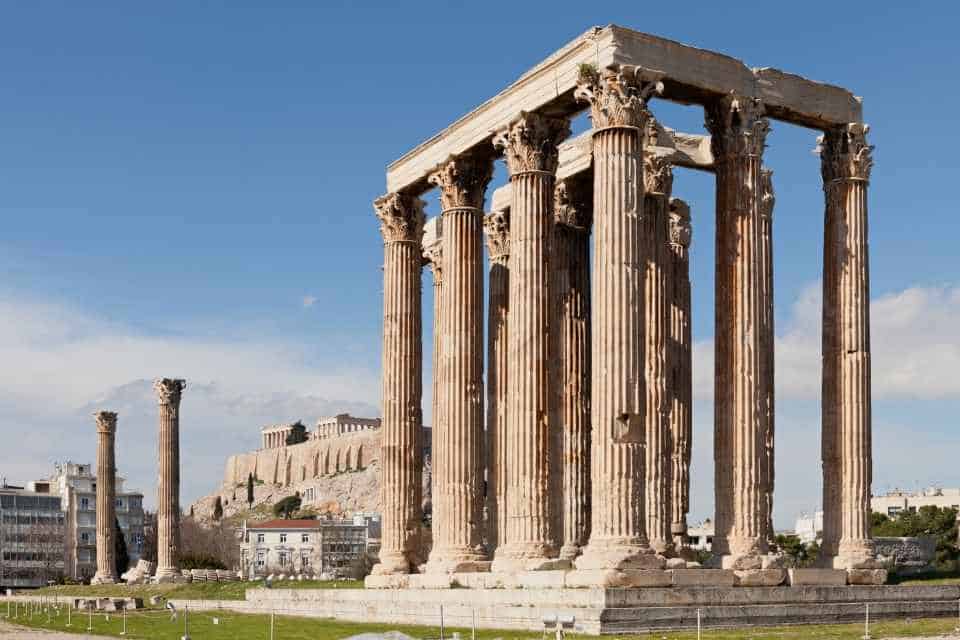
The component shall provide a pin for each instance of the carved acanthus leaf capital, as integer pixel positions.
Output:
(767, 197)
(737, 127)
(433, 256)
(530, 142)
(401, 217)
(657, 174)
(463, 181)
(845, 154)
(573, 206)
(169, 390)
(618, 95)
(106, 421)
(681, 229)
(496, 228)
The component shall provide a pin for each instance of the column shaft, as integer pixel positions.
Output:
(738, 134)
(573, 210)
(680, 367)
(401, 434)
(659, 179)
(497, 229)
(168, 487)
(458, 443)
(106, 499)
(533, 539)
(767, 345)
(846, 163)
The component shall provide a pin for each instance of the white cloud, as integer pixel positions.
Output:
(915, 345)
(62, 363)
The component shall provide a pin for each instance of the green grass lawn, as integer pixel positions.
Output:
(192, 591)
(157, 625)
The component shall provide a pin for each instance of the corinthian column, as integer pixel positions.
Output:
(739, 131)
(574, 216)
(497, 229)
(168, 486)
(618, 552)
(846, 160)
(680, 368)
(106, 497)
(530, 148)
(458, 442)
(767, 344)
(401, 433)
(433, 255)
(658, 181)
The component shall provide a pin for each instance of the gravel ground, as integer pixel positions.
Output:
(8, 631)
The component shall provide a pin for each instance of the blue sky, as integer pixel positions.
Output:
(185, 190)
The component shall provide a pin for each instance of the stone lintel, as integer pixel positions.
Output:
(691, 76)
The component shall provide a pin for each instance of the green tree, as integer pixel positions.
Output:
(796, 553)
(121, 557)
(250, 489)
(288, 505)
(940, 523)
(218, 509)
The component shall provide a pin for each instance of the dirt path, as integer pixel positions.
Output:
(8, 631)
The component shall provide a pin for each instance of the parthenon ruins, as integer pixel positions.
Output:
(571, 455)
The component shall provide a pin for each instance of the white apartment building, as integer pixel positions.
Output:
(333, 548)
(893, 502)
(76, 485)
(31, 535)
(807, 527)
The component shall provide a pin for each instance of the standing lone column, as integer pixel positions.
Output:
(458, 442)
(574, 216)
(533, 540)
(738, 134)
(767, 344)
(658, 180)
(106, 498)
(169, 392)
(681, 368)
(401, 434)
(846, 160)
(618, 552)
(497, 229)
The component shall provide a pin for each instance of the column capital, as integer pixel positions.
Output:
(401, 217)
(106, 421)
(496, 228)
(845, 154)
(681, 230)
(433, 247)
(767, 197)
(573, 206)
(531, 141)
(463, 181)
(737, 127)
(169, 390)
(617, 95)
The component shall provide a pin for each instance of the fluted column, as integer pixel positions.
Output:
(106, 497)
(738, 133)
(658, 179)
(497, 228)
(767, 344)
(401, 433)
(458, 443)
(530, 149)
(169, 392)
(433, 255)
(680, 367)
(573, 202)
(618, 543)
(846, 160)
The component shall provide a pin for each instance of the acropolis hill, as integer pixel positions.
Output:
(335, 469)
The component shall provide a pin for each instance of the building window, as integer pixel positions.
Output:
(892, 511)
(283, 538)
(85, 537)
(304, 559)
(260, 537)
(304, 537)
(261, 559)
(84, 503)
(284, 557)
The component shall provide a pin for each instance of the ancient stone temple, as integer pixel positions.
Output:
(567, 462)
